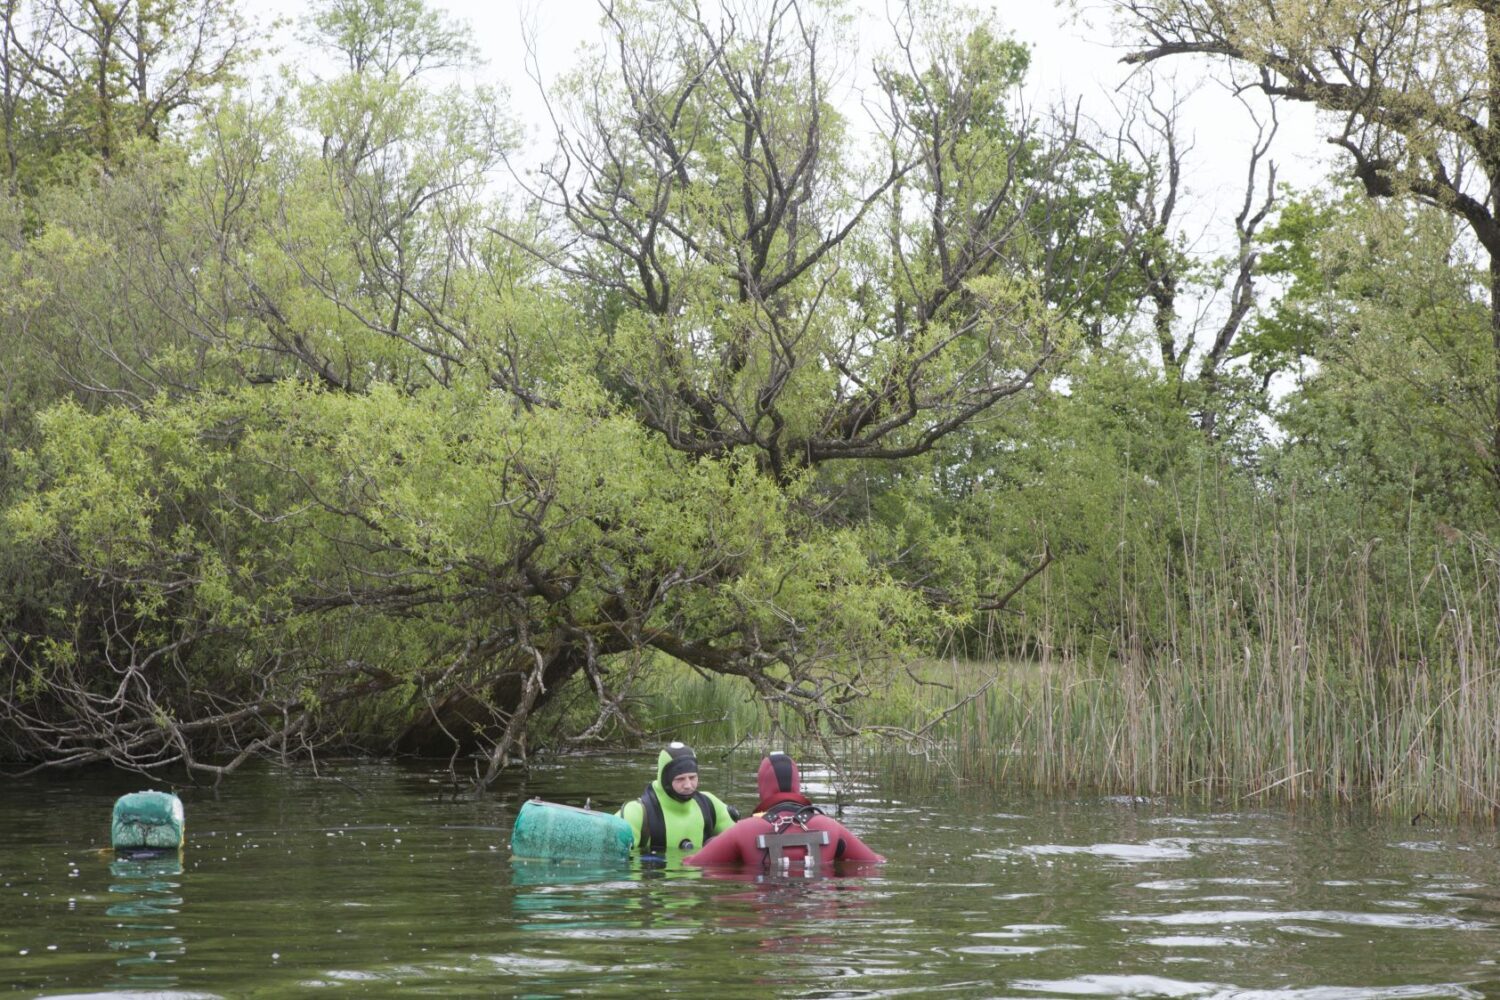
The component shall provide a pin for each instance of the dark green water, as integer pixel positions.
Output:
(374, 880)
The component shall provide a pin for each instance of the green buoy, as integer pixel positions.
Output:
(147, 821)
(548, 831)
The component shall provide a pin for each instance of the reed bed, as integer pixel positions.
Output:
(1254, 650)
(1293, 670)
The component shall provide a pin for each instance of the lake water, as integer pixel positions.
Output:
(371, 879)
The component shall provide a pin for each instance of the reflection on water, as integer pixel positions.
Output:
(791, 912)
(1160, 986)
(1228, 917)
(146, 899)
(643, 900)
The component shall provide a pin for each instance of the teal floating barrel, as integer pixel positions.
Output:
(145, 821)
(552, 832)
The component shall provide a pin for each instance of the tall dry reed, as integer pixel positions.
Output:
(1304, 666)
(1256, 652)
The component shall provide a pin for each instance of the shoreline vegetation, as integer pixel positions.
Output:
(818, 380)
(1291, 705)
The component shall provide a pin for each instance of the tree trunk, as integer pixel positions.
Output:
(1495, 357)
(1492, 171)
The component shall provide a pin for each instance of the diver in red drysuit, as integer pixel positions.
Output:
(782, 809)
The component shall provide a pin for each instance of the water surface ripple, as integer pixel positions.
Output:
(374, 879)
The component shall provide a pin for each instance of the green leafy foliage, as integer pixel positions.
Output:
(1386, 311)
(313, 437)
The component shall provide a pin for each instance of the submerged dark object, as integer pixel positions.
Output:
(147, 822)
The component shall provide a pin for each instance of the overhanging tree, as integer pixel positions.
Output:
(416, 454)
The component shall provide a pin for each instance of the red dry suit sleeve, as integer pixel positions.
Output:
(725, 848)
(854, 848)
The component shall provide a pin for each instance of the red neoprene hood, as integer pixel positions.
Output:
(778, 780)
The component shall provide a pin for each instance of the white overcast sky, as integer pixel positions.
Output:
(1070, 61)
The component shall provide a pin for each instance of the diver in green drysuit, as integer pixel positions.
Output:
(672, 813)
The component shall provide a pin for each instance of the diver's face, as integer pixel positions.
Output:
(685, 784)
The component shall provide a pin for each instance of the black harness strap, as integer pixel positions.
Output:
(784, 814)
(710, 817)
(654, 821)
(653, 824)
(789, 829)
